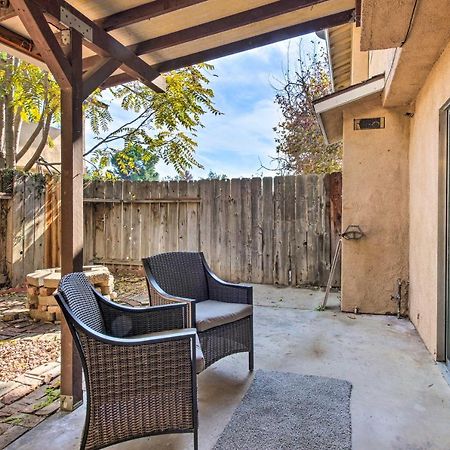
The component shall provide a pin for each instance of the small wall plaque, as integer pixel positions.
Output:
(372, 123)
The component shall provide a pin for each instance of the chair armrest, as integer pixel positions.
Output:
(227, 292)
(123, 321)
(157, 296)
(132, 368)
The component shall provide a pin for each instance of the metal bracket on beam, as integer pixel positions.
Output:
(71, 21)
(65, 37)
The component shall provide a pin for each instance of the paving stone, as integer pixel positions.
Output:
(11, 434)
(14, 314)
(30, 380)
(14, 408)
(47, 371)
(36, 395)
(7, 386)
(4, 427)
(24, 420)
(49, 409)
(42, 315)
(16, 394)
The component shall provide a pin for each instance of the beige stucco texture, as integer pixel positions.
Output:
(375, 197)
(424, 211)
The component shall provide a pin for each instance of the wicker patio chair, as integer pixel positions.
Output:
(222, 312)
(139, 365)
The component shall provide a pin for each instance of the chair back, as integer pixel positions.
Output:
(179, 273)
(79, 295)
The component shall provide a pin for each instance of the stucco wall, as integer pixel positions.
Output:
(424, 191)
(380, 61)
(375, 196)
(360, 60)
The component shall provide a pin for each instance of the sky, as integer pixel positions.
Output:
(241, 141)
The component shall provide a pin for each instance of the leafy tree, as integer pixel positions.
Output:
(142, 163)
(215, 176)
(27, 94)
(301, 147)
(161, 126)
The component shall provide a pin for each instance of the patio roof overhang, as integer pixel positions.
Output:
(170, 34)
(87, 44)
(329, 109)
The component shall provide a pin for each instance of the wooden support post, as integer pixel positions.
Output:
(72, 146)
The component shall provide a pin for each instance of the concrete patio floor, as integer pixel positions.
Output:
(400, 399)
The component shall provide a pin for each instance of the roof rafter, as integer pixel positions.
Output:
(19, 43)
(143, 12)
(258, 41)
(98, 40)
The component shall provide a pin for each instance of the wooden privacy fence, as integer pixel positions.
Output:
(280, 230)
(29, 226)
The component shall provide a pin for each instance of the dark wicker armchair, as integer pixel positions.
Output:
(222, 312)
(139, 365)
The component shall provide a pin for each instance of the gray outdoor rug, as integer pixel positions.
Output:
(291, 411)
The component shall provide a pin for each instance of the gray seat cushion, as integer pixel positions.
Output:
(211, 313)
(199, 358)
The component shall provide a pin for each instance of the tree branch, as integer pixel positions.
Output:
(41, 145)
(113, 135)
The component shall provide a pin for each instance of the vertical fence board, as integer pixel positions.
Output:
(289, 265)
(235, 235)
(278, 234)
(246, 212)
(301, 240)
(257, 231)
(155, 214)
(88, 250)
(127, 229)
(206, 194)
(109, 220)
(268, 230)
(192, 217)
(182, 217)
(99, 222)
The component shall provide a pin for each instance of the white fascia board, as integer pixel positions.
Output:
(322, 128)
(368, 88)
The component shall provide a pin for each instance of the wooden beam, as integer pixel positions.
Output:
(19, 43)
(116, 80)
(72, 149)
(44, 38)
(97, 39)
(221, 25)
(97, 74)
(257, 41)
(358, 13)
(7, 13)
(143, 12)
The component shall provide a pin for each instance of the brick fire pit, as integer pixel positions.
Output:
(42, 284)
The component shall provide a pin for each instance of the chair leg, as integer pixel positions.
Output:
(196, 439)
(251, 357)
